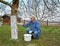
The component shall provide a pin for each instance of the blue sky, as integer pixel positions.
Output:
(11, 0)
(8, 0)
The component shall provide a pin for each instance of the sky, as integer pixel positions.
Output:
(11, 0)
(8, 0)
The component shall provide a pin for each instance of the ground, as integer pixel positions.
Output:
(50, 36)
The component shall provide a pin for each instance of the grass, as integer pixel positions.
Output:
(50, 36)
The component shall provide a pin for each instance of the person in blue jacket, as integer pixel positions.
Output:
(34, 27)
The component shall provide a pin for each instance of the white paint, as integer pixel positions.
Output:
(14, 32)
(27, 37)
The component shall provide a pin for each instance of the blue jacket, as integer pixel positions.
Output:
(34, 26)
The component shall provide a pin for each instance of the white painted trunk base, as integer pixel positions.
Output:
(14, 32)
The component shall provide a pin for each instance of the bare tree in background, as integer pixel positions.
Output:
(49, 10)
(33, 7)
(51, 6)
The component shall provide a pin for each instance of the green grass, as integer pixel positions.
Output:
(50, 36)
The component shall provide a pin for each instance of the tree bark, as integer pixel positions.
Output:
(14, 10)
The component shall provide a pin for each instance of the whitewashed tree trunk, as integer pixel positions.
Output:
(14, 10)
(14, 31)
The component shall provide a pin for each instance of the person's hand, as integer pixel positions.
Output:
(30, 31)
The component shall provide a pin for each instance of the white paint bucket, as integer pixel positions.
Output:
(27, 37)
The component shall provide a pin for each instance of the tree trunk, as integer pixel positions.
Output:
(14, 9)
(47, 22)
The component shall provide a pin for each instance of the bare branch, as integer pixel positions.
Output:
(46, 5)
(4, 2)
(55, 3)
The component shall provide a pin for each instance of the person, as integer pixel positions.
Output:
(34, 27)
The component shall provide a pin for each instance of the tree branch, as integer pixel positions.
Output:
(55, 3)
(46, 5)
(4, 2)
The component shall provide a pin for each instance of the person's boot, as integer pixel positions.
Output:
(32, 37)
